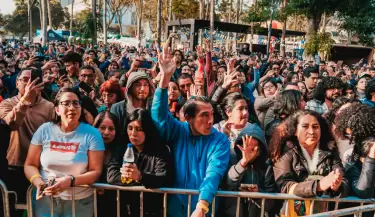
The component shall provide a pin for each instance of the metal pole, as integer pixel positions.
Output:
(105, 21)
(269, 33)
(71, 18)
(44, 18)
(139, 31)
(93, 11)
(212, 23)
(159, 23)
(170, 11)
(29, 13)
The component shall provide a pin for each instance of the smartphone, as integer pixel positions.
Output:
(245, 187)
(85, 87)
(62, 72)
(36, 73)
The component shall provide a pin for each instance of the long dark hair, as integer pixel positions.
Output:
(287, 103)
(57, 102)
(286, 132)
(106, 114)
(152, 139)
(336, 105)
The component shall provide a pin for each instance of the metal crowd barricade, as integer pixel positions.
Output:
(5, 197)
(262, 196)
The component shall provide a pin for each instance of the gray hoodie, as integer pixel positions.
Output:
(119, 108)
(257, 172)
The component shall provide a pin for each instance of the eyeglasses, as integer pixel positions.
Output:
(268, 87)
(87, 75)
(276, 68)
(24, 80)
(67, 104)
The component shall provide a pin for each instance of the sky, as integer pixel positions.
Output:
(7, 6)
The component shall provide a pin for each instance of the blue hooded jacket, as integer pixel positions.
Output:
(200, 161)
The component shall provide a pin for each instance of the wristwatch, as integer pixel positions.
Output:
(73, 180)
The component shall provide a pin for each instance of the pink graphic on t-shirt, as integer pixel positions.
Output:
(64, 147)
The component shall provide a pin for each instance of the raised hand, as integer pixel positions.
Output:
(199, 50)
(230, 78)
(207, 45)
(250, 150)
(166, 63)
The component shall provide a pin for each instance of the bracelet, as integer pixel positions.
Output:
(34, 177)
(202, 206)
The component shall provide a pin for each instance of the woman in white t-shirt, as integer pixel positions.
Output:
(70, 150)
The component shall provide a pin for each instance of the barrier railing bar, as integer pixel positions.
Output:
(95, 203)
(165, 205)
(29, 201)
(5, 196)
(239, 195)
(312, 207)
(336, 205)
(213, 207)
(141, 204)
(118, 203)
(238, 207)
(189, 206)
(74, 202)
(256, 195)
(347, 211)
(360, 214)
(51, 205)
(261, 208)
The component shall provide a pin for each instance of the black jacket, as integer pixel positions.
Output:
(361, 178)
(156, 168)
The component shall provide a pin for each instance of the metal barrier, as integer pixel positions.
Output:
(5, 196)
(262, 196)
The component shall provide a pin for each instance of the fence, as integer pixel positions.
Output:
(165, 191)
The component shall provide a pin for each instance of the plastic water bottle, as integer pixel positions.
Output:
(128, 158)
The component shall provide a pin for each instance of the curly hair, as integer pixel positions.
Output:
(113, 87)
(327, 83)
(336, 105)
(286, 132)
(360, 120)
(370, 88)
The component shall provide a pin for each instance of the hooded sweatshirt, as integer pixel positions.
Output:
(125, 107)
(257, 172)
(201, 161)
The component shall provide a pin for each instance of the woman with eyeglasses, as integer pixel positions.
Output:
(65, 153)
(267, 98)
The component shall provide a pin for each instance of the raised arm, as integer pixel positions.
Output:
(163, 120)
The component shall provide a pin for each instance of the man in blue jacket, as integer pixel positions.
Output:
(201, 153)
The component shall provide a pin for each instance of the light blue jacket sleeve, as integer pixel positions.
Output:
(166, 124)
(251, 86)
(217, 167)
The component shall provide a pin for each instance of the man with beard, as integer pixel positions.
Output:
(73, 62)
(139, 92)
(184, 82)
(325, 93)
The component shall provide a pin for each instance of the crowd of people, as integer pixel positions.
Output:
(204, 120)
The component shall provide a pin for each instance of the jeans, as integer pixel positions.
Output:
(63, 208)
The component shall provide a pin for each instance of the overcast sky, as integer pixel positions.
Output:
(7, 6)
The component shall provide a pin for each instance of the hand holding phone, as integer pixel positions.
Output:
(249, 187)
